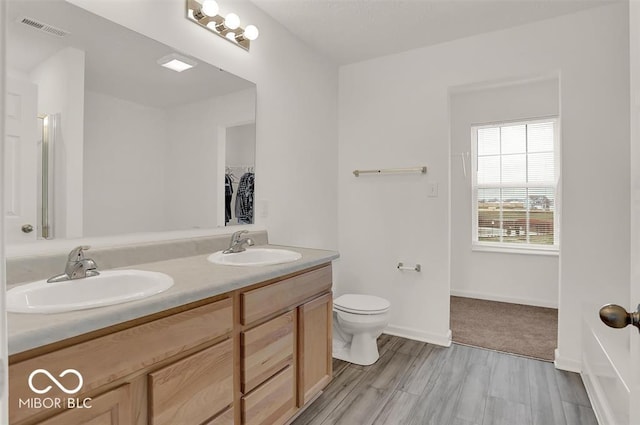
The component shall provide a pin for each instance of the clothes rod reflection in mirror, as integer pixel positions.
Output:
(421, 170)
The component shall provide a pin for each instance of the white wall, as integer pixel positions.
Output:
(240, 149)
(170, 154)
(194, 180)
(301, 197)
(394, 112)
(125, 148)
(191, 166)
(60, 81)
(525, 279)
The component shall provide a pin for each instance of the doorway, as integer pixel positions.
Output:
(504, 231)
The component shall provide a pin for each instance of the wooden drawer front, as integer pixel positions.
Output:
(273, 403)
(270, 299)
(193, 389)
(111, 357)
(111, 408)
(224, 418)
(266, 349)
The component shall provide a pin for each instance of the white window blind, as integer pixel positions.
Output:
(515, 181)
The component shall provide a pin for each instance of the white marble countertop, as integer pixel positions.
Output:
(195, 279)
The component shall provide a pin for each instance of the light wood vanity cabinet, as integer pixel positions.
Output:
(227, 417)
(190, 390)
(110, 408)
(108, 359)
(314, 341)
(253, 356)
(267, 349)
(272, 403)
(283, 320)
(284, 295)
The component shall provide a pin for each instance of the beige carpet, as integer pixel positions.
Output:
(511, 328)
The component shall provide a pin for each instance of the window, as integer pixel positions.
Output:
(515, 179)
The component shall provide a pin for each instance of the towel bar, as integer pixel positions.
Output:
(415, 268)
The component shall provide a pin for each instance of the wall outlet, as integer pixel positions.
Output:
(432, 190)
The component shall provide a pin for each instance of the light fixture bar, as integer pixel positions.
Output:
(228, 27)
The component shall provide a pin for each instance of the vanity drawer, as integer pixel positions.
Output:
(262, 302)
(224, 418)
(266, 349)
(108, 358)
(272, 403)
(193, 389)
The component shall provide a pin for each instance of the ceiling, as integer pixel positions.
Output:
(350, 31)
(118, 62)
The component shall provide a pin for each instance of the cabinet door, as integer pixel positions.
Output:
(111, 408)
(193, 389)
(315, 335)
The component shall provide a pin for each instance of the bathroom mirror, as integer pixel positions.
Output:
(137, 147)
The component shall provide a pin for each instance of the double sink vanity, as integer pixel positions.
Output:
(145, 333)
(248, 343)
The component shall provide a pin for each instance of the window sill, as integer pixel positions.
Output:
(509, 249)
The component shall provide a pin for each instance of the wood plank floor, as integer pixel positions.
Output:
(415, 383)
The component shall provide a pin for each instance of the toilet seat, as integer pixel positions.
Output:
(361, 304)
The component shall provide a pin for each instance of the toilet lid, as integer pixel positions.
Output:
(364, 304)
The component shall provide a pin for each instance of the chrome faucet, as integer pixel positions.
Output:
(78, 267)
(237, 243)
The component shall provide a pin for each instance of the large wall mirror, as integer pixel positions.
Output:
(102, 140)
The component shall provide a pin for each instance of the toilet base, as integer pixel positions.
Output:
(363, 350)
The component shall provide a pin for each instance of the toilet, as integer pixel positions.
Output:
(358, 321)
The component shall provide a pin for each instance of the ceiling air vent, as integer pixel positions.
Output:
(50, 29)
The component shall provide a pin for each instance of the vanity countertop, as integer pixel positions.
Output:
(195, 279)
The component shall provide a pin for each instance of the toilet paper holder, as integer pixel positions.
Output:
(415, 268)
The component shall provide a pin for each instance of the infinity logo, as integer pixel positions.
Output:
(55, 381)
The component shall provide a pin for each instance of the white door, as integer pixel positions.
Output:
(21, 161)
(617, 375)
(634, 284)
(611, 357)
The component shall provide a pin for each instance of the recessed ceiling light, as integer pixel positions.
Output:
(177, 62)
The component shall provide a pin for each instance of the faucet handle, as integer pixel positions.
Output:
(236, 235)
(77, 253)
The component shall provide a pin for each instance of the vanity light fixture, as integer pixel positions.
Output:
(205, 14)
(176, 62)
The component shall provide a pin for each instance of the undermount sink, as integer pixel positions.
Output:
(108, 288)
(255, 257)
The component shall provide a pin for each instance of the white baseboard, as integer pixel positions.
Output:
(418, 335)
(500, 298)
(598, 401)
(564, 363)
(605, 377)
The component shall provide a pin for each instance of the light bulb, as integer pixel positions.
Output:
(251, 32)
(210, 7)
(232, 21)
(231, 36)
